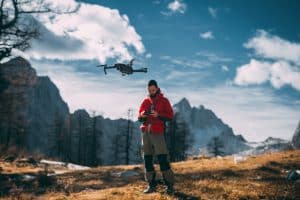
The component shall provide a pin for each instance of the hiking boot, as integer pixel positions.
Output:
(151, 188)
(150, 178)
(168, 177)
(170, 189)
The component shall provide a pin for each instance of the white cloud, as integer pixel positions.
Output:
(283, 73)
(207, 35)
(156, 2)
(184, 78)
(278, 73)
(186, 62)
(255, 72)
(282, 67)
(213, 57)
(148, 55)
(177, 6)
(213, 12)
(274, 47)
(202, 60)
(94, 32)
(225, 68)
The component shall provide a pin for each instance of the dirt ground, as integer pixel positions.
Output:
(257, 177)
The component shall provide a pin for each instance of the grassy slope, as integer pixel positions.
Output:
(258, 177)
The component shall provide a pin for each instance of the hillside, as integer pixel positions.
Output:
(257, 177)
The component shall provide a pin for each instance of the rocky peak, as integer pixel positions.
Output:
(241, 138)
(204, 125)
(183, 105)
(273, 140)
(18, 72)
(81, 112)
(201, 107)
(33, 105)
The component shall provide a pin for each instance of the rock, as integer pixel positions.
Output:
(27, 177)
(238, 158)
(129, 173)
(40, 191)
(125, 174)
(18, 72)
(9, 158)
(3, 177)
(15, 191)
(45, 181)
(293, 175)
(26, 161)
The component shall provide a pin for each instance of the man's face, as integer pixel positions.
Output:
(152, 89)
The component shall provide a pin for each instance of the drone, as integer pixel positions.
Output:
(125, 69)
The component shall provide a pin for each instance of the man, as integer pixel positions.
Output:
(154, 111)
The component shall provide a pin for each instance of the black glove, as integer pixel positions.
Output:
(164, 119)
(142, 119)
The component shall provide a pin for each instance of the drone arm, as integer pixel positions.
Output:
(110, 67)
(140, 70)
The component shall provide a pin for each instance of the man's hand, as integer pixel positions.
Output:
(143, 114)
(154, 114)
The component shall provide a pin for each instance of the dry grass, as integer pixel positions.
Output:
(258, 177)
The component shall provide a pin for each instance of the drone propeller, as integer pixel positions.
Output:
(102, 65)
(131, 62)
(104, 68)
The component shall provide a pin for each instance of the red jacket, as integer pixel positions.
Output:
(164, 109)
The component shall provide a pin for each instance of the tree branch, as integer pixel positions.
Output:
(14, 20)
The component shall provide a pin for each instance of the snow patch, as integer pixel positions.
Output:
(70, 166)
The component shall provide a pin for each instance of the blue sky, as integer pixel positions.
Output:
(240, 59)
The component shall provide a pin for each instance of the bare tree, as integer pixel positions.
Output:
(58, 135)
(79, 153)
(119, 144)
(68, 140)
(177, 138)
(216, 147)
(18, 26)
(128, 135)
(95, 160)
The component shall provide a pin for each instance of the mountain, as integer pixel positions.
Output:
(35, 119)
(31, 108)
(207, 134)
(203, 126)
(296, 137)
(271, 144)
